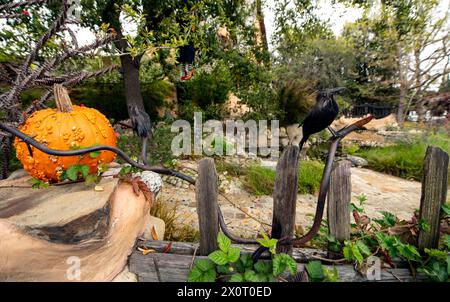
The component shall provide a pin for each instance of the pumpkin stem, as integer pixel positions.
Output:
(63, 102)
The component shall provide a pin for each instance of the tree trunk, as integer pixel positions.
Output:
(133, 95)
(403, 85)
(420, 108)
(262, 25)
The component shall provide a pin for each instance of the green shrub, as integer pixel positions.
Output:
(404, 159)
(207, 91)
(260, 181)
(310, 177)
(109, 98)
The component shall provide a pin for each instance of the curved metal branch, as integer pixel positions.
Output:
(28, 140)
(324, 185)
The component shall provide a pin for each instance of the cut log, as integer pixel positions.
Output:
(91, 244)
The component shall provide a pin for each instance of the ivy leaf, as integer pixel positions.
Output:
(84, 170)
(315, 271)
(363, 248)
(237, 278)
(224, 242)
(218, 257)
(423, 225)
(263, 267)
(278, 266)
(204, 264)
(91, 179)
(408, 251)
(281, 262)
(388, 219)
(95, 154)
(251, 276)
(72, 172)
(437, 254)
(233, 254)
(223, 269)
(195, 275)
(357, 254)
(331, 275)
(447, 240)
(446, 209)
(209, 276)
(244, 262)
(38, 184)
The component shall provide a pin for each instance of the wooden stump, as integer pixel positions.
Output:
(339, 197)
(434, 194)
(206, 193)
(70, 232)
(285, 196)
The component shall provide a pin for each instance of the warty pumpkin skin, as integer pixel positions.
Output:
(65, 128)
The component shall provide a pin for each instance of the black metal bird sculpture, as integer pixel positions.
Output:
(142, 125)
(319, 118)
(321, 115)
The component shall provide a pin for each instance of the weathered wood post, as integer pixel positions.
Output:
(434, 194)
(339, 196)
(206, 192)
(285, 196)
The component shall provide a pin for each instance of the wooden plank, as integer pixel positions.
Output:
(285, 196)
(206, 193)
(187, 248)
(434, 194)
(339, 197)
(175, 268)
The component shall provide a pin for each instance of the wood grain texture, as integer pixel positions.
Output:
(157, 267)
(434, 194)
(206, 194)
(24, 257)
(285, 196)
(339, 197)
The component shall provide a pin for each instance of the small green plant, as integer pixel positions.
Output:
(228, 264)
(38, 184)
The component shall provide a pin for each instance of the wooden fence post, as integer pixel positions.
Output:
(339, 196)
(434, 194)
(206, 192)
(285, 196)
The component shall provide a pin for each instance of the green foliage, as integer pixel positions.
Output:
(38, 184)
(207, 91)
(404, 159)
(388, 219)
(76, 171)
(109, 97)
(315, 271)
(228, 264)
(259, 180)
(355, 251)
(310, 177)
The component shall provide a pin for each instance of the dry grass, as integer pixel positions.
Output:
(175, 231)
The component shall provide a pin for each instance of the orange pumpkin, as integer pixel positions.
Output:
(66, 128)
